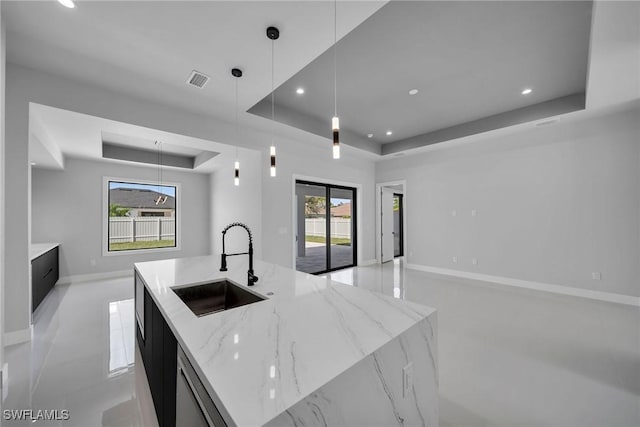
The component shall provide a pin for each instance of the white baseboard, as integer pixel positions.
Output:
(79, 278)
(17, 337)
(367, 262)
(558, 289)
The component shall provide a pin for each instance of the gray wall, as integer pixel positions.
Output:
(237, 204)
(26, 85)
(317, 164)
(266, 203)
(308, 155)
(17, 190)
(67, 208)
(553, 203)
(2, 236)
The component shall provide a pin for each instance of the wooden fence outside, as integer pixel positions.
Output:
(142, 228)
(340, 227)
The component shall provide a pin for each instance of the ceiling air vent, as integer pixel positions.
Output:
(197, 79)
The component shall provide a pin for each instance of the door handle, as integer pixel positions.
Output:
(47, 273)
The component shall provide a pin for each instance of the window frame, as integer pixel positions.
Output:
(105, 217)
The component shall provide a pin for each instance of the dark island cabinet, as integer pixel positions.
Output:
(44, 275)
(159, 349)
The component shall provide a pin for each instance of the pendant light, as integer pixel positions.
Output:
(237, 73)
(272, 34)
(335, 121)
(272, 155)
(160, 200)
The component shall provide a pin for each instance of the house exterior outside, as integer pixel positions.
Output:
(142, 203)
(341, 211)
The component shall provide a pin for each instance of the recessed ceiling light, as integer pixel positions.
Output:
(369, 135)
(413, 91)
(67, 3)
(300, 91)
(527, 91)
(389, 133)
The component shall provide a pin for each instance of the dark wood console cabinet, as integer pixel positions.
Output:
(44, 275)
(159, 351)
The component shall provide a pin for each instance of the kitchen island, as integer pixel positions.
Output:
(314, 352)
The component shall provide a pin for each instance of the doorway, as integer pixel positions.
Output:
(325, 210)
(391, 220)
(386, 217)
(398, 229)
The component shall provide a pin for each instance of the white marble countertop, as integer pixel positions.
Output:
(258, 360)
(37, 249)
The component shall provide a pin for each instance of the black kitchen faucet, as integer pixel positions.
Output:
(251, 278)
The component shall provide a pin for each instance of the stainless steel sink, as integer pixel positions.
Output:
(216, 296)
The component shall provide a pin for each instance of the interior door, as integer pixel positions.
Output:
(398, 232)
(386, 214)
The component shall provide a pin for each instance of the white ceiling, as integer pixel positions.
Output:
(469, 60)
(147, 49)
(81, 136)
(145, 144)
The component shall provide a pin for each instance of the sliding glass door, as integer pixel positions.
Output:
(341, 226)
(311, 243)
(326, 231)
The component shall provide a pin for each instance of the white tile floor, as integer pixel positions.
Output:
(82, 359)
(513, 357)
(508, 357)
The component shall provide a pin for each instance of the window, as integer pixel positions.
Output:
(140, 216)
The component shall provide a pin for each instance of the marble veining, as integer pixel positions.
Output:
(387, 391)
(260, 360)
(371, 393)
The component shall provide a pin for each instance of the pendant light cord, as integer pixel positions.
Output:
(237, 118)
(335, 61)
(159, 169)
(273, 115)
(160, 199)
(273, 33)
